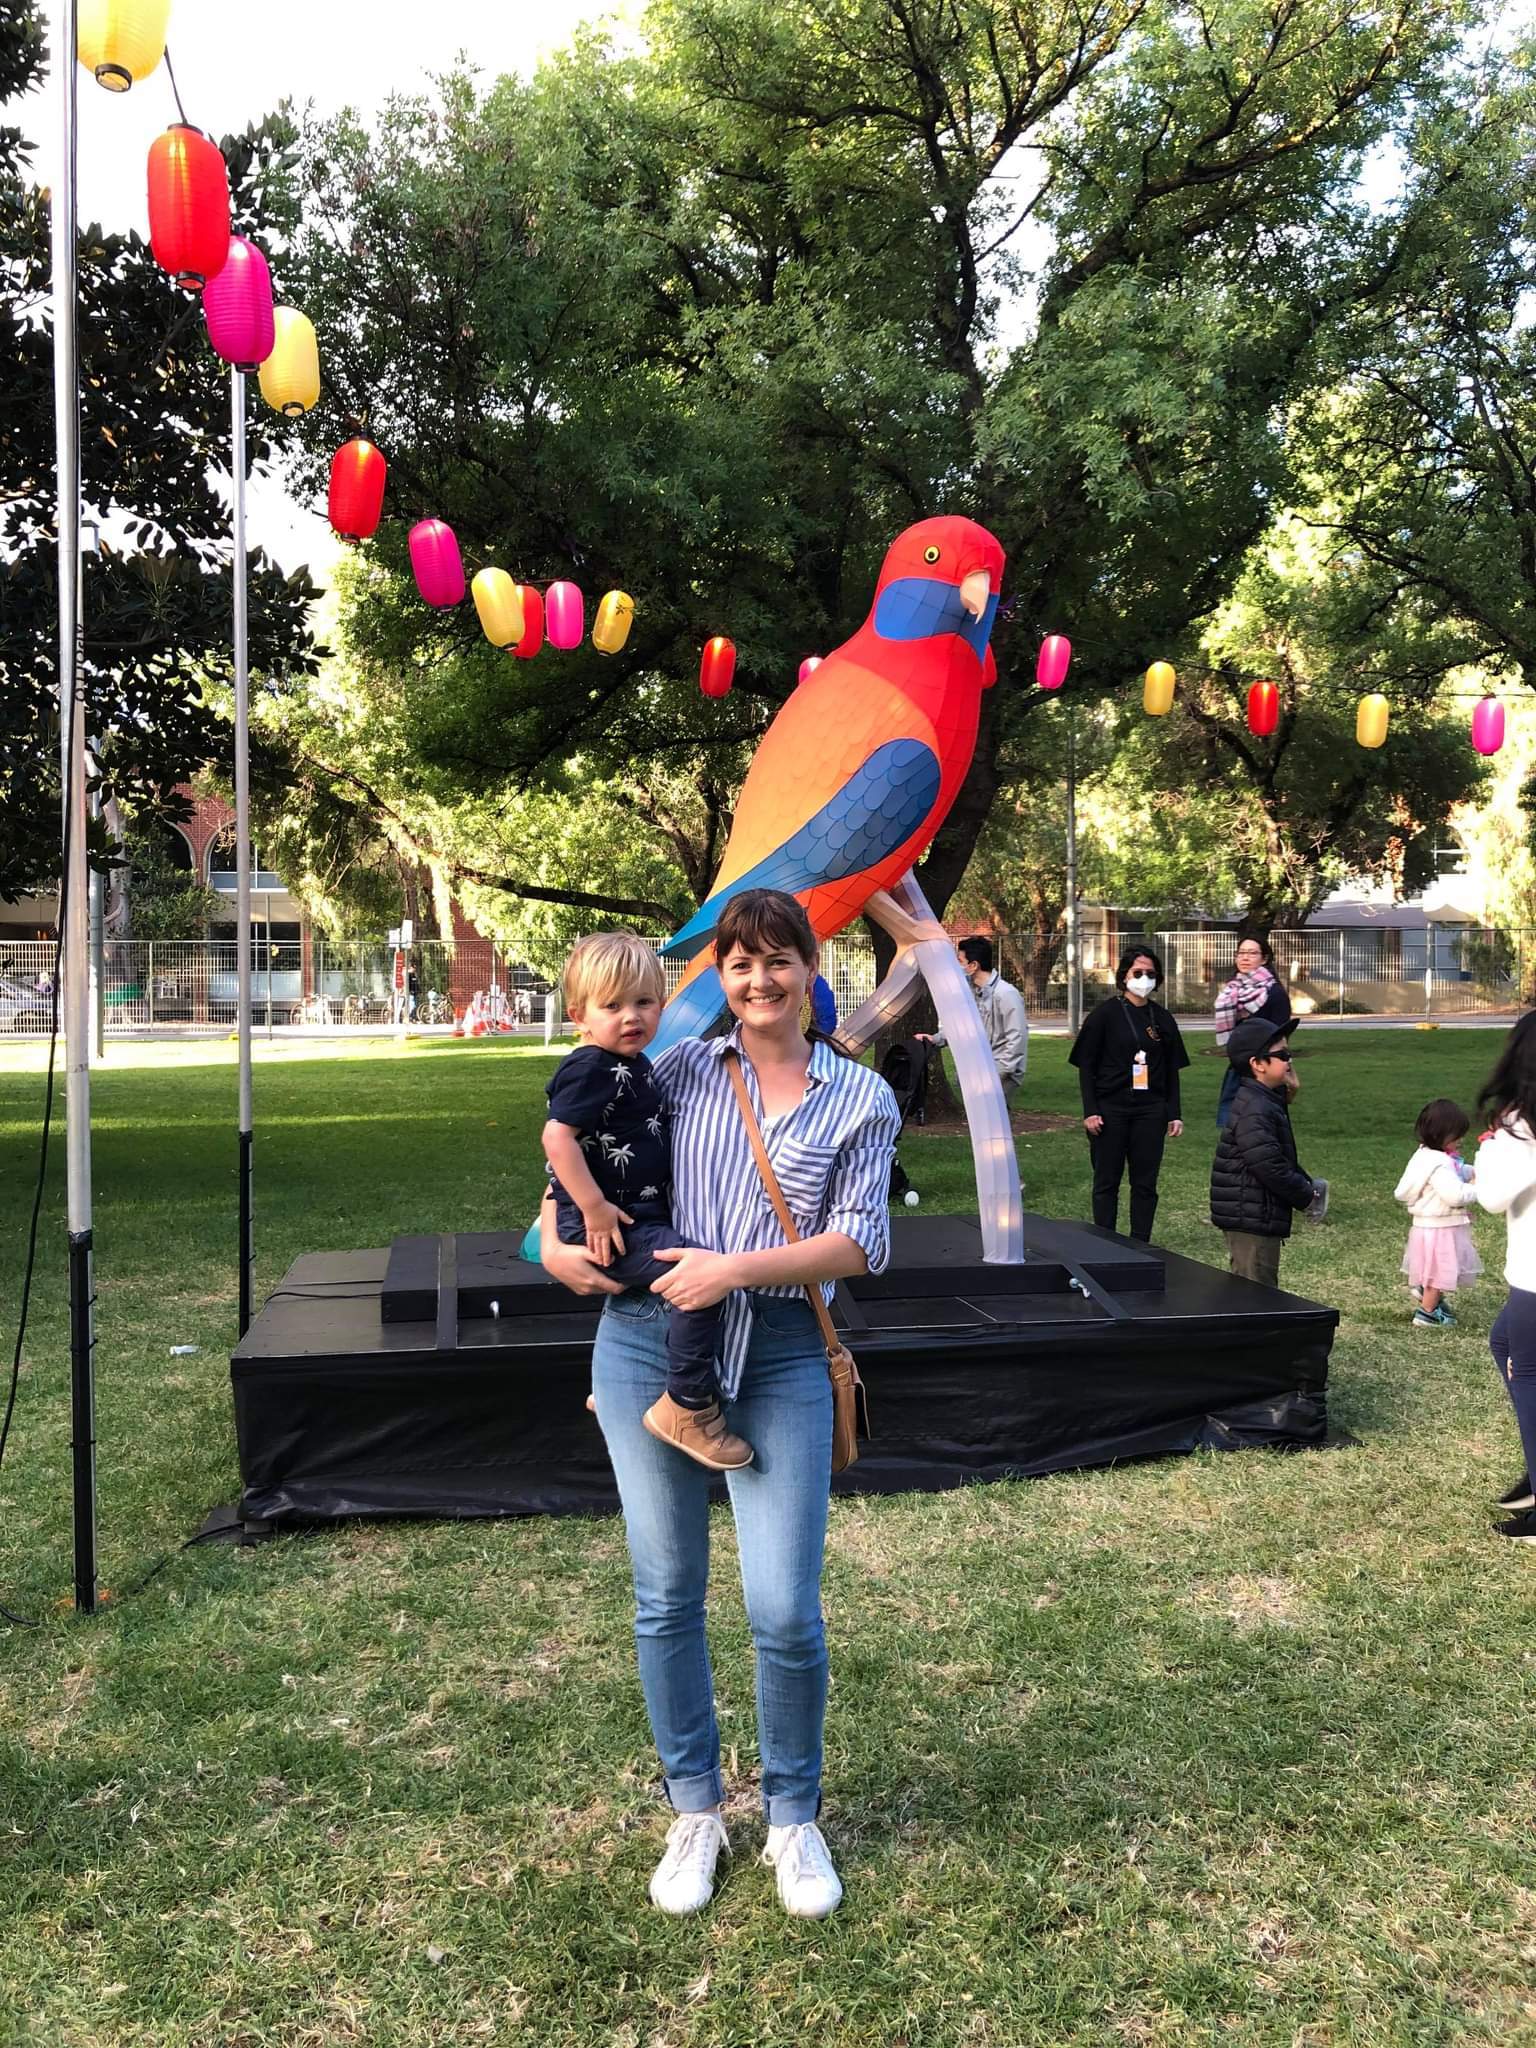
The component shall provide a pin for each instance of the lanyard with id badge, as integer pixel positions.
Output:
(1141, 1080)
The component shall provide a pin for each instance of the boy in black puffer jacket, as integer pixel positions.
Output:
(1256, 1180)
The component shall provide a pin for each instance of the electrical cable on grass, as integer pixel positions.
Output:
(20, 1620)
(66, 852)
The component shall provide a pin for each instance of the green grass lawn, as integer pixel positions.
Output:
(1231, 1749)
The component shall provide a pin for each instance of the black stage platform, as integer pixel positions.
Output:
(448, 1377)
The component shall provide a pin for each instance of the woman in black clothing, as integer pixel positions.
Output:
(1128, 1057)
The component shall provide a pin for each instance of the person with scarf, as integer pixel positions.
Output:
(1253, 991)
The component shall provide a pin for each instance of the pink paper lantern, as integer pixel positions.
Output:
(564, 622)
(808, 667)
(1053, 661)
(436, 563)
(237, 305)
(1488, 726)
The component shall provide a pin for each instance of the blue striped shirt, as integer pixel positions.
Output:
(831, 1153)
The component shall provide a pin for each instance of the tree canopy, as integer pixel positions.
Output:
(711, 322)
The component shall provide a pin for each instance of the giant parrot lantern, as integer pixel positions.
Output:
(846, 791)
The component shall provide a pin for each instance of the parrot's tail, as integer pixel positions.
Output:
(692, 1008)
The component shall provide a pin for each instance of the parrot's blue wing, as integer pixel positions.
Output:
(690, 1013)
(878, 808)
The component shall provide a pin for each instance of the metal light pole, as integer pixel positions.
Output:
(74, 893)
(1074, 949)
(242, 849)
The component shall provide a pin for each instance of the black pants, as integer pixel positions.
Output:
(1134, 1142)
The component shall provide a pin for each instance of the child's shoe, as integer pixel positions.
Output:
(699, 1433)
(1438, 1318)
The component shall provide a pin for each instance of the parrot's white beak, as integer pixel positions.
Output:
(974, 592)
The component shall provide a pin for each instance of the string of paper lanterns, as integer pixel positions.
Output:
(1262, 707)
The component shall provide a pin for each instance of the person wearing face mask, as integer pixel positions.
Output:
(1128, 1057)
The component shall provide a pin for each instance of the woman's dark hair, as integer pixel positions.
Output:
(1128, 960)
(765, 921)
(1511, 1088)
(978, 950)
(1263, 945)
(1441, 1123)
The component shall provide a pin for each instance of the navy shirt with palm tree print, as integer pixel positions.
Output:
(611, 1101)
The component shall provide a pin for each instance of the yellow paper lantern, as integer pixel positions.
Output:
(499, 601)
(121, 41)
(1371, 720)
(290, 376)
(1157, 689)
(615, 616)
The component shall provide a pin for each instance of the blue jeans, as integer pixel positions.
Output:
(784, 1410)
(1512, 1340)
(691, 1333)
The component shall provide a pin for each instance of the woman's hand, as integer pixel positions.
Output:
(1093, 1125)
(698, 1279)
(569, 1264)
(1176, 1128)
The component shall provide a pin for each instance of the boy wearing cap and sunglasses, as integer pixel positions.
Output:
(1257, 1182)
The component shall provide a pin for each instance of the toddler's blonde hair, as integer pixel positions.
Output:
(609, 964)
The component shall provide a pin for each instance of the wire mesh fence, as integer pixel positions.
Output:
(313, 984)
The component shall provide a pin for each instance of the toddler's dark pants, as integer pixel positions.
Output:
(691, 1332)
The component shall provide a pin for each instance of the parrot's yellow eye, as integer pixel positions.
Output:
(930, 554)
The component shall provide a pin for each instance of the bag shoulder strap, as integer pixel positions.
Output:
(738, 1081)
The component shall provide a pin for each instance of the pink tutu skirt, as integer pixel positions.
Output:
(1445, 1259)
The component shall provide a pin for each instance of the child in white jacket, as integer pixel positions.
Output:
(1440, 1254)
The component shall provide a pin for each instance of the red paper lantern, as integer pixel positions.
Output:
(1263, 709)
(188, 206)
(237, 305)
(356, 501)
(1488, 726)
(533, 623)
(717, 670)
(436, 563)
(1052, 662)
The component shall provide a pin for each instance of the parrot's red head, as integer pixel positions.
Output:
(941, 580)
(947, 550)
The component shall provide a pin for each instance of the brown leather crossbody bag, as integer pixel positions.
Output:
(850, 1407)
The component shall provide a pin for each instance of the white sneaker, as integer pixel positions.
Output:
(809, 1887)
(684, 1879)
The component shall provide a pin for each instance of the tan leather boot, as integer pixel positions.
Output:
(699, 1433)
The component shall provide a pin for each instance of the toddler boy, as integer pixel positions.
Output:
(610, 1162)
